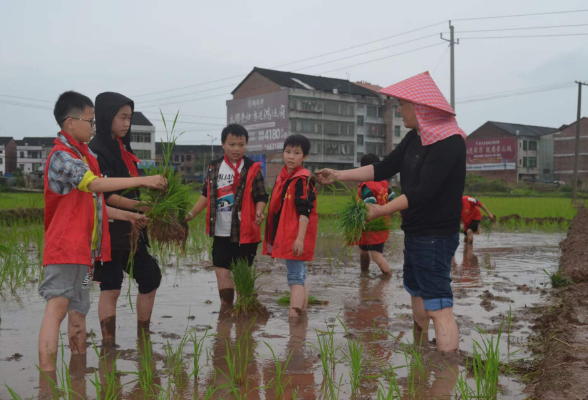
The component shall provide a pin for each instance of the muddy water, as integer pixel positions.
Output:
(499, 272)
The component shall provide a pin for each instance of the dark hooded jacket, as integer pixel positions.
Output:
(110, 159)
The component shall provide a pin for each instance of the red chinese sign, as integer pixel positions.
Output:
(490, 151)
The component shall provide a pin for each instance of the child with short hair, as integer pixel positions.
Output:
(291, 228)
(234, 196)
(76, 225)
(372, 243)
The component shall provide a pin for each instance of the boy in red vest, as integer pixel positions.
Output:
(234, 197)
(471, 216)
(76, 225)
(373, 242)
(291, 228)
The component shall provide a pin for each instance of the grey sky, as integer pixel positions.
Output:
(138, 47)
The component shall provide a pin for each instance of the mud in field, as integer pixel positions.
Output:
(563, 342)
(500, 272)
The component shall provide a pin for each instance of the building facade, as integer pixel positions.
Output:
(343, 120)
(143, 137)
(191, 160)
(512, 152)
(564, 152)
(32, 153)
(7, 156)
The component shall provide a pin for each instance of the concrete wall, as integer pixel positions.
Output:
(564, 150)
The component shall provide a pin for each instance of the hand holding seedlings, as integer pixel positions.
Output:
(139, 221)
(157, 182)
(325, 176)
(374, 211)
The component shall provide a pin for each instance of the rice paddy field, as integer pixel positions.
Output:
(356, 343)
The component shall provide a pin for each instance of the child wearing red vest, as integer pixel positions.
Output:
(372, 243)
(291, 228)
(76, 225)
(471, 216)
(234, 196)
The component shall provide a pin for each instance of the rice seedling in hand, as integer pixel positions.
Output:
(245, 278)
(279, 381)
(166, 209)
(352, 220)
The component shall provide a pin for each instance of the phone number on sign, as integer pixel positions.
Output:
(274, 146)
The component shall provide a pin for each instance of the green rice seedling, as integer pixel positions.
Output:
(327, 350)
(110, 389)
(462, 390)
(146, 369)
(486, 364)
(312, 301)
(167, 209)
(237, 361)
(13, 394)
(558, 279)
(352, 220)
(355, 358)
(487, 225)
(198, 344)
(61, 386)
(414, 361)
(245, 279)
(176, 362)
(279, 380)
(392, 391)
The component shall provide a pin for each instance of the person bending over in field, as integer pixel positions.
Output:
(471, 217)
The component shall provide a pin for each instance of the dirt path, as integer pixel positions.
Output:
(563, 373)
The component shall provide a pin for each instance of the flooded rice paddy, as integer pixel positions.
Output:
(366, 315)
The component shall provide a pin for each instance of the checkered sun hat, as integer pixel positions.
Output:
(435, 116)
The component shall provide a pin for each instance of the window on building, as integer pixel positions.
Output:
(143, 154)
(21, 167)
(307, 126)
(525, 145)
(533, 145)
(360, 139)
(141, 137)
(532, 162)
(525, 162)
(372, 111)
(36, 166)
(376, 130)
(308, 105)
(315, 147)
(376, 148)
(360, 120)
(1, 161)
(22, 154)
(396, 131)
(396, 113)
(359, 156)
(188, 157)
(546, 170)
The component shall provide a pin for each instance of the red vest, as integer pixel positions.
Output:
(469, 211)
(287, 231)
(249, 231)
(69, 223)
(380, 191)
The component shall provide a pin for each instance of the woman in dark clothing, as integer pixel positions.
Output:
(431, 161)
(112, 145)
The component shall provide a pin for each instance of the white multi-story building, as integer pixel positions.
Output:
(32, 152)
(143, 137)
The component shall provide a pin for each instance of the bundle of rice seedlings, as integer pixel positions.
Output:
(352, 220)
(245, 278)
(167, 209)
(312, 301)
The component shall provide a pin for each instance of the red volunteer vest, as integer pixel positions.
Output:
(380, 191)
(69, 223)
(469, 211)
(289, 221)
(249, 232)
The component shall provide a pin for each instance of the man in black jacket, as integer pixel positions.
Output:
(431, 161)
(112, 145)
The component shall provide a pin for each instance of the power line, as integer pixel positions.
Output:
(521, 29)
(522, 36)
(26, 98)
(501, 95)
(14, 103)
(520, 15)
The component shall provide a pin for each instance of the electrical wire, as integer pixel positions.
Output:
(519, 15)
(521, 36)
(521, 29)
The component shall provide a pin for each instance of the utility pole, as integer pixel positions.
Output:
(577, 150)
(452, 43)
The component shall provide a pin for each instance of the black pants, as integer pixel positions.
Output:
(225, 252)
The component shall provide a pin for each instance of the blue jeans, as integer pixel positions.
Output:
(296, 272)
(427, 269)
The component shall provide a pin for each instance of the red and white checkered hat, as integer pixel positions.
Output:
(435, 116)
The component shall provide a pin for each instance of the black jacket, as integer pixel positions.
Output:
(110, 159)
(432, 178)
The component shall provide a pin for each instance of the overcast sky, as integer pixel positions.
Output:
(141, 47)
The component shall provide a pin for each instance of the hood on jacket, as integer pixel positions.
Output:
(107, 105)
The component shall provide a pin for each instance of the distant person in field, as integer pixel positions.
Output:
(372, 243)
(431, 160)
(76, 225)
(292, 221)
(112, 145)
(471, 216)
(234, 197)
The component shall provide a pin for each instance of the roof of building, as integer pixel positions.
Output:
(523, 130)
(36, 141)
(564, 126)
(310, 82)
(187, 148)
(369, 86)
(140, 119)
(4, 140)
